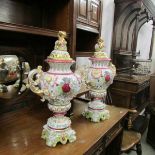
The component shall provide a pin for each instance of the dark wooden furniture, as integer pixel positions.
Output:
(131, 139)
(21, 130)
(29, 29)
(150, 134)
(131, 93)
(152, 89)
(34, 25)
(133, 130)
(130, 16)
(88, 15)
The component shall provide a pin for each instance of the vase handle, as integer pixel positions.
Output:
(33, 84)
(113, 68)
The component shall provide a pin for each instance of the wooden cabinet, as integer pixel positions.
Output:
(34, 25)
(151, 127)
(88, 26)
(131, 93)
(88, 14)
(29, 29)
(42, 18)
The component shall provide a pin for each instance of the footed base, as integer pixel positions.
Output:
(96, 116)
(96, 111)
(58, 130)
(53, 137)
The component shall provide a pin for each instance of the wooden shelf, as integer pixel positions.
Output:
(28, 29)
(124, 53)
(87, 28)
(83, 54)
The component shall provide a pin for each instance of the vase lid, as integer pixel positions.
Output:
(99, 53)
(60, 49)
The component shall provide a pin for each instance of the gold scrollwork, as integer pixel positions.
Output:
(34, 84)
(113, 68)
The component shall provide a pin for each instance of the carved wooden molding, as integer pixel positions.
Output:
(150, 7)
(130, 16)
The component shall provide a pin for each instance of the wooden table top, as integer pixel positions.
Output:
(20, 131)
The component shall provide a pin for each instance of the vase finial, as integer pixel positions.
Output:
(100, 45)
(99, 49)
(61, 43)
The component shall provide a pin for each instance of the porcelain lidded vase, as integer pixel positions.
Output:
(99, 77)
(58, 86)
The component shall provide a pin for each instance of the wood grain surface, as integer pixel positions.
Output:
(20, 131)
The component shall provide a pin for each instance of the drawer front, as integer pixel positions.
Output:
(98, 148)
(112, 134)
(100, 151)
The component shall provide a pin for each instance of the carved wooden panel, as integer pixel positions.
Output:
(82, 13)
(94, 13)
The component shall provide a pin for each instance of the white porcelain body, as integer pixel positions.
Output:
(100, 74)
(58, 85)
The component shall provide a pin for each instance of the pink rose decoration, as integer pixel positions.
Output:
(107, 78)
(66, 88)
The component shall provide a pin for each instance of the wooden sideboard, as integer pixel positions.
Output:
(21, 132)
(131, 93)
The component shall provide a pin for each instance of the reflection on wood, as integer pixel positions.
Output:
(21, 132)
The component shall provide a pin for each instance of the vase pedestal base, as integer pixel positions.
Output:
(96, 116)
(96, 111)
(61, 133)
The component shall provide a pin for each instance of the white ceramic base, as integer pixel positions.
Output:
(53, 136)
(94, 114)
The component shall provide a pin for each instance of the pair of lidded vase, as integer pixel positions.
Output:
(59, 85)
